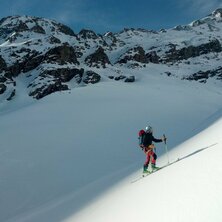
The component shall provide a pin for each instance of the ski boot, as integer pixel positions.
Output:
(154, 167)
(145, 169)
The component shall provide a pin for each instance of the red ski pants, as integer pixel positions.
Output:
(150, 155)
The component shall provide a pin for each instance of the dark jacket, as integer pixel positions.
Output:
(148, 138)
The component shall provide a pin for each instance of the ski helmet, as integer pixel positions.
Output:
(149, 129)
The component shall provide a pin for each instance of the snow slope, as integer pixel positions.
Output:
(72, 150)
(189, 190)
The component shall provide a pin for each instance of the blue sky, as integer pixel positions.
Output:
(113, 15)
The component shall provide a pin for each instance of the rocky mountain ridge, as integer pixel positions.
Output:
(47, 56)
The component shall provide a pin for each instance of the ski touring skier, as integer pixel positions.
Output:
(146, 143)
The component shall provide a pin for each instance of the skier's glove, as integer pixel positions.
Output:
(164, 139)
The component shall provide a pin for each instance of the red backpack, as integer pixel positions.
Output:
(140, 138)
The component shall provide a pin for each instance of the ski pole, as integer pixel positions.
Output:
(166, 148)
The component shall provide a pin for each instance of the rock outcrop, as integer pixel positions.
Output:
(98, 59)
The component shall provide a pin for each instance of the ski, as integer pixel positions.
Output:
(151, 172)
(175, 161)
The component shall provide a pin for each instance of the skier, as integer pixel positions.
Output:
(148, 148)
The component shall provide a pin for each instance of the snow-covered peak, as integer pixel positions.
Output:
(212, 19)
(217, 13)
(38, 25)
(108, 34)
(87, 34)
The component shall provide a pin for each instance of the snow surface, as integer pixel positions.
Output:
(73, 155)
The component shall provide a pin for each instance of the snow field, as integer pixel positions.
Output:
(63, 153)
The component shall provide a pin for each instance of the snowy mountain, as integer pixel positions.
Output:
(72, 156)
(45, 56)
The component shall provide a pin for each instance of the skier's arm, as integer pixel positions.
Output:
(157, 140)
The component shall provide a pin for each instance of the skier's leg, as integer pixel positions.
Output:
(154, 157)
(146, 164)
(153, 162)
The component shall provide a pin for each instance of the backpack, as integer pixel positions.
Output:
(140, 138)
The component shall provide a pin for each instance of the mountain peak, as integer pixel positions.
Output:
(85, 33)
(217, 13)
(215, 16)
(31, 23)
